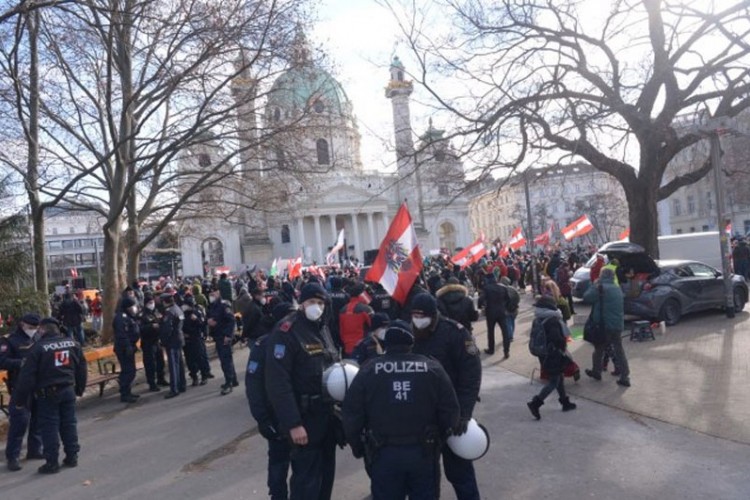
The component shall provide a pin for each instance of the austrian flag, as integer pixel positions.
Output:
(470, 254)
(517, 239)
(399, 261)
(578, 227)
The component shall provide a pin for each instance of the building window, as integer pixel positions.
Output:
(318, 106)
(72, 230)
(709, 200)
(285, 237)
(276, 114)
(676, 208)
(679, 231)
(705, 228)
(204, 160)
(400, 76)
(691, 204)
(440, 155)
(443, 190)
(692, 229)
(324, 157)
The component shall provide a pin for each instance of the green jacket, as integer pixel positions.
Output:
(614, 309)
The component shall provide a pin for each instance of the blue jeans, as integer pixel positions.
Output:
(510, 325)
(21, 420)
(57, 419)
(177, 382)
(554, 382)
(398, 471)
(460, 473)
(76, 333)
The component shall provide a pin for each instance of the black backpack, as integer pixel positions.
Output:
(538, 345)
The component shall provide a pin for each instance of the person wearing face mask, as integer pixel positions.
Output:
(222, 324)
(173, 340)
(153, 357)
(13, 349)
(372, 345)
(193, 328)
(252, 312)
(299, 350)
(453, 346)
(127, 333)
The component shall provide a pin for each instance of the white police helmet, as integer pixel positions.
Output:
(338, 377)
(473, 444)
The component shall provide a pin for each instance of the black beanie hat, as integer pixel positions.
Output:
(424, 303)
(312, 291)
(399, 334)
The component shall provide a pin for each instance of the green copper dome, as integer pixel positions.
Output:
(306, 88)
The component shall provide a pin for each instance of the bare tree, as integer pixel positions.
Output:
(544, 82)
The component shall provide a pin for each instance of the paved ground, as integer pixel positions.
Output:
(202, 445)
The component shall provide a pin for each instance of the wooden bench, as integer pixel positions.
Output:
(105, 365)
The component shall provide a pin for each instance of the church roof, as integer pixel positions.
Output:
(300, 87)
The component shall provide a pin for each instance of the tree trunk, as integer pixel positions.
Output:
(132, 248)
(39, 251)
(642, 197)
(111, 295)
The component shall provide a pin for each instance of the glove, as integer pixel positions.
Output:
(461, 427)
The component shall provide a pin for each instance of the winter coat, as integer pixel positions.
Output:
(454, 302)
(614, 309)
(555, 360)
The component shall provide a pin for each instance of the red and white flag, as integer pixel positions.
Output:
(294, 267)
(74, 272)
(578, 227)
(625, 235)
(470, 254)
(728, 229)
(399, 260)
(517, 240)
(332, 256)
(504, 251)
(544, 238)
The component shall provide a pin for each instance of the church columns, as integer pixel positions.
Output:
(358, 250)
(301, 233)
(371, 227)
(334, 233)
(386, 221)
(318, 245)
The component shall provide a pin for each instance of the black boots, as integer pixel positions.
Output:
(534, 406)
(71, 461)
(567, 405)
(129, 398)
(195, 380)
(593, 374)
(14, 465)
(49, 468)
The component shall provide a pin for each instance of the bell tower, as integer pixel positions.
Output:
(409, 185)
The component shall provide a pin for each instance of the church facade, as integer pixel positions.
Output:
(336, 192)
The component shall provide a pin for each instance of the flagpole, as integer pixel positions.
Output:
(534, 271)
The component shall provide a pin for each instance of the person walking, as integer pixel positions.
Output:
(22, 415)
(495, 300)
(553, 361)
(454, 303)
(72, 316)
(55, 372)
(404, 405)
(606, 301)
(222, 324)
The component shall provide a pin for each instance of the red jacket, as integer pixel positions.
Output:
(354, 321)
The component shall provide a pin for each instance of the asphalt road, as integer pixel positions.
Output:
(203, 445)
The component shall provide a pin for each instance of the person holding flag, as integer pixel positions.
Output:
(332, 256)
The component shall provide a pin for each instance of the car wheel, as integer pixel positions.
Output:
(739, 299)
(671, 312)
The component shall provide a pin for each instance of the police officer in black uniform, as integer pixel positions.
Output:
(372, 345)
(397, 411)
(55, 372)
(453, 346)
(194, 328)
(153, 358)
(300, 348)
(13, 350)
(222, 324)
(171, 337)
(127, 333)
(382, 302)
(260, 408)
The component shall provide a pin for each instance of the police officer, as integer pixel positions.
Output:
(171, 337)
(382, 302)
(260, 408)
(300, 348)
(55, 372)
(127, 333)
(396, 412)
(222, 326)
(22, 416)
(153, 358)
(372, 345)
(193, 329)
(453, 346)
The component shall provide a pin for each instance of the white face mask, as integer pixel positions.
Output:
(29, 331)
(133, 310)
(313, 312)
(380, 333)
(212, 299)
(185, 307)
(262, 301)
(150, 306)
(421, 323)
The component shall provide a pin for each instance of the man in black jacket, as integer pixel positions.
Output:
(495, 299)
(173, 340)
(55, 372)
(127, 333)
(454, 302)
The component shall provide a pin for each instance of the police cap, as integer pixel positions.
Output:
(399, 334)
(31, 319)
(312, 291)
(425, 304)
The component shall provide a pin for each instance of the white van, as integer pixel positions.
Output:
(701, 247)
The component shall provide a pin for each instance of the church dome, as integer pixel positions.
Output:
(305, 88)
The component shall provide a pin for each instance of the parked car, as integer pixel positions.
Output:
(681, 287)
